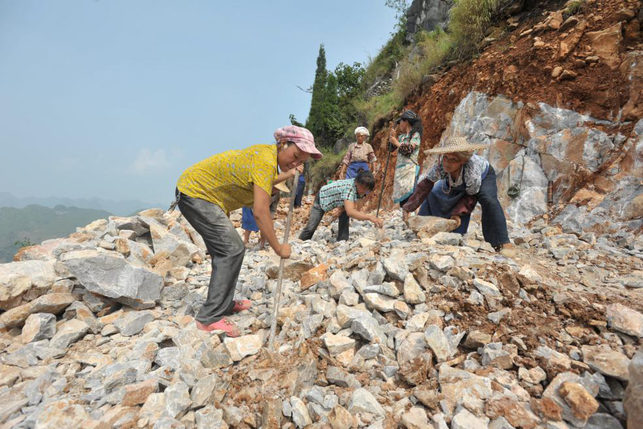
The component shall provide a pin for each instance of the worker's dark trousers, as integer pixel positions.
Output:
(226, 249)
(316, 215)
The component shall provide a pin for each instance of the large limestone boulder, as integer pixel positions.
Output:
(427, 226)
(112, 276)
(18, 278)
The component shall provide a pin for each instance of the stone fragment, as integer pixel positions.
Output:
(606, 361)
(241, 347)
(65, 413)
(442, 263)
(633, 400)
(8, 375)
(177, 400)
(412, 291)
(337, 344)
(69, 332)
(438, 342)
(203, 391)
(547, 408)
(552, 392)
(476, 339)
(314, 276)
(486, 288)
(583, 404)
(137, 394)
(340, 418)
(300, 415)
(210, 417)
(363, 401)
(388, 289)
(534, 375)
(415, 418)
(465, 420)
(53, 303)
(346, 315)
(605, 44)
(133, 322)
(379, 302)
(395, 265)
(414, 358)
(624, 319)
(38, 326)
(271, 415)
(18, 278)
(493, 354)
(293, 270)
(112, 276)
(427, 226)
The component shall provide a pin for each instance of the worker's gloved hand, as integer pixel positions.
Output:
(284, 251)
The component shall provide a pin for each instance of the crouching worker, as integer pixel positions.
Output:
(337, 194)
(453, 187)
(209, 190)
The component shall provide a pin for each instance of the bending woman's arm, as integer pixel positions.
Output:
(421, 192)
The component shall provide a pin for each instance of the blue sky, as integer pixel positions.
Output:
(115, 98)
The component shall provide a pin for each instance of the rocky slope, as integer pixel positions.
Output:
(561, 95)
(385, 330)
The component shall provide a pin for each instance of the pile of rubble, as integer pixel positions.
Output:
(382, 331)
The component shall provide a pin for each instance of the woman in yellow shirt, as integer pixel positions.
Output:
(209, 190)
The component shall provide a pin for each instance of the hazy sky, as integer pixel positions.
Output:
(115, 98)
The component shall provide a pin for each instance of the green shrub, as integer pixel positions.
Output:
(470, 21)
(573, 7)
(379, 107)
(324, 168)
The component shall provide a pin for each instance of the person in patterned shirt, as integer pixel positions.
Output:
(209, 190)
(406, 138)
(453, 187)
(341, 193)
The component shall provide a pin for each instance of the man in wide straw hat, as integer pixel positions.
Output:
(453, 187)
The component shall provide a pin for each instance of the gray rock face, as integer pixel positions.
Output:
(427, 15)
(111, 276)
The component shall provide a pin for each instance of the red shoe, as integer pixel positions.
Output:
(242, 305)
(224, 325)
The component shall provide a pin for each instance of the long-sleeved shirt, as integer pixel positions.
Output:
(471, 175)
(359, 153)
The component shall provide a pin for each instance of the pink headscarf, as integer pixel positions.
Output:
(299, 136)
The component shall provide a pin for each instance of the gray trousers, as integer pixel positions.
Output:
(226, 249)
(315, 217)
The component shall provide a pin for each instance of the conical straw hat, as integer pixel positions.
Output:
(456, 144)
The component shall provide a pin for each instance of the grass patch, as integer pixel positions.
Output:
(379, 107)
(573, 7)
(470, 22)
(386, 60)
(434, 49)
(325, 167)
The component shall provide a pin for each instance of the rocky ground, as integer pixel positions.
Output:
(386, 330)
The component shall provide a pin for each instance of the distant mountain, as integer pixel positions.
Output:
(36, 223)
(119, 208)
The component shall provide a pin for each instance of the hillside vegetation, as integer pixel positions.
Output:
(34, 223)
(362, 95)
